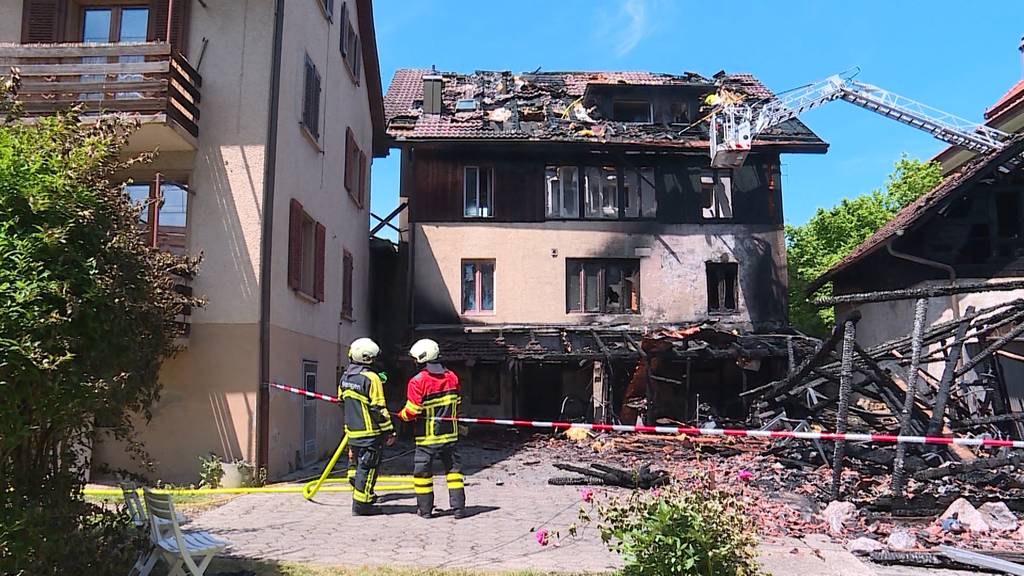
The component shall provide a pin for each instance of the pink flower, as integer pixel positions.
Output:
(745, 475)
(542, 537)
(587, 495)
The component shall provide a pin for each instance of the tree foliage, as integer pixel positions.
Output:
(87, 315)
(813, 248)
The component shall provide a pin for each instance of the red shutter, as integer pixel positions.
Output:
(179, 23)
(318, 262)
(295, 245)
(42, 21)
(346, 285)
(364, 177)
(350, 143)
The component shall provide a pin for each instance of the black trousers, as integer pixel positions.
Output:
(423, 481)
(367, 461)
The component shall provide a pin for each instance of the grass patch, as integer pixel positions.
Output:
(270, 568)
(188, 504)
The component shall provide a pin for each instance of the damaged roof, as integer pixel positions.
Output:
(918, 211)
(554, 106)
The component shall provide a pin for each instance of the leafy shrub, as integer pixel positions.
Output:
(679, 530)
(87, 316)
(210, 471)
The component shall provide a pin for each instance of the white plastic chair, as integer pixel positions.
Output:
(179, 549)
(147, 559)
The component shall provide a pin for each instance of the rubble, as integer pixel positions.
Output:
(836, 514)
(998, 516)
(967, 515)
(864, 545)
(902, 539)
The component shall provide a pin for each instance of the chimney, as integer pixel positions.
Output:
(432, 84)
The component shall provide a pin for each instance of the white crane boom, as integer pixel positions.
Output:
(735, 125)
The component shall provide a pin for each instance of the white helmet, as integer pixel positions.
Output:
(425, 350)
(363, 351)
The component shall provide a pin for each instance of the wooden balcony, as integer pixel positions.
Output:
(146, 80)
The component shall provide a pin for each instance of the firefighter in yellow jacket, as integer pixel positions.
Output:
(367, 421)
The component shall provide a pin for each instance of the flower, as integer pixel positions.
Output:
(542, 537)
(745, 475)
(587, 495)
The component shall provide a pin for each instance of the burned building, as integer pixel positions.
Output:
(565, 227)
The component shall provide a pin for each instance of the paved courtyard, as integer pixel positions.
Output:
(509, 499)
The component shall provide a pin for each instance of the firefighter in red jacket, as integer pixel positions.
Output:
(433, 400)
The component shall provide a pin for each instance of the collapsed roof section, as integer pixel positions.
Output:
(572, 107)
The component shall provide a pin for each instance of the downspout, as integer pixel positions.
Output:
(954, 300)
(266, 244)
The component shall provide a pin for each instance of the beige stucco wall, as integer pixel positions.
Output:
(208, 404)
(10, 20)
(530, 267)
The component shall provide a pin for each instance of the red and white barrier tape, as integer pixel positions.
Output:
(690, 431)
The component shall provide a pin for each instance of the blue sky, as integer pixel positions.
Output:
(957, 56)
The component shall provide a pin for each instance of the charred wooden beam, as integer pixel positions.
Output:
(982, 420)
(939, 409)
(980, 464)
(846, 382)
(918, 293)
(898, 478)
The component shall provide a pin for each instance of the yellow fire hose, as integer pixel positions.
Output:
(313, 487)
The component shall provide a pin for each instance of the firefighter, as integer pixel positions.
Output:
(433, 400)
(367, 421)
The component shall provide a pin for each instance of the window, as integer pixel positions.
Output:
(346, 285)
(328, 7)
(602, 192)
(602, 286)
(171, 209)
(632, 111)
(563, 191)
(477, 183)
(355, 169)
(306, 252)
(680, 113)
(716, 194)
(351, 52)
(639, 193)
(311, 100)
(477, 286)
(721, 287)
(364, 177)
(485, 389)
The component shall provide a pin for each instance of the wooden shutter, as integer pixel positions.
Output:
(346, 285)
(42, 21)
(350, 143)
(318, 263)
(344, 29)
(363, 179)
(295, 245)
(357, 60)
(179, 23)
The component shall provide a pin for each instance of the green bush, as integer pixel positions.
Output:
(679, 530)
(87, 316)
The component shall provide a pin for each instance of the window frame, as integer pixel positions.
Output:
(602, 264)
(310, 102)
(626, 101)
(716, 175)
(621, 170)
(327, 7)
(478, 287)
(299, 262)
(480, 168)
(730, 268)
(350, 46)
(561, 192)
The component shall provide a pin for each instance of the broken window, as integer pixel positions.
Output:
(722, 286)
(716, 194)
(680, 113)
(563, 191)
(639, 193)
(477, 286)
(632, 111)
(485, 386)
(602, 198)
(477, 185)
(603, 286)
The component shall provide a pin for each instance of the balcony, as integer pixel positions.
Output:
(146, 80)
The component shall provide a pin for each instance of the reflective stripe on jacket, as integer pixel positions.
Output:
(433, 401)
(366, 411)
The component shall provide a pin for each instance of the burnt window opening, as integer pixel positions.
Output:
(722, 287)
(639, 193)
(477, 286)
(602, 192)
(485, 389)
(478, 191)
(602, 286)
(680, 112)
(1008, 215)
(637, 111)
(716, 194)
(563, 191)
(978, 245)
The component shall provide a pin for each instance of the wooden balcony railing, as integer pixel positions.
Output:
(148, 79)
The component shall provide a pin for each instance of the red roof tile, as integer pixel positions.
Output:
(1013, 96)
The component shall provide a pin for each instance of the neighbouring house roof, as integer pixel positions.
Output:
(1009, 106)
(543, 106)
(917, 212)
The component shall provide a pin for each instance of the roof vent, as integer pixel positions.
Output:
(432, 85)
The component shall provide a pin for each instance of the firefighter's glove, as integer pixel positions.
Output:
(383, 377)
